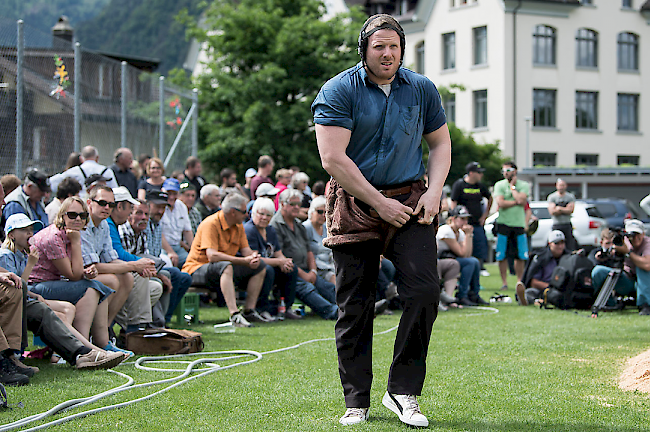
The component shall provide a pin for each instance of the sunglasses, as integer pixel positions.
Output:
(74, 215)
(239, 210)
(104, 203)
(507, 170)
(320, 212)
(295, 204)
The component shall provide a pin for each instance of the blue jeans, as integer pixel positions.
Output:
(320, 297)
(285, 284)
(182, 254)
(468, 283)
(180, 283)
(625, 285)
(480, 244)
(70, 291)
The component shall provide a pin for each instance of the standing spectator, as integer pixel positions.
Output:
(209, 201)
(317, 232)
(123, 158)
(143, 162)
(300, 182)
(250, 173)
(645, 204)
(265, 166)
(469, 191)
(283, 176)
(188, 197)
(135, 169)
(511, 196)
(213, 260)
(155, 170)
(10, 182)
(295, 169)
(74, 160)
(561, 205)
(28, 199)
(193, 171)
(67, 188)
(89, 167)
(229, 183)
(176, 226)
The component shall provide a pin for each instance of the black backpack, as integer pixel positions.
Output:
(570, 286)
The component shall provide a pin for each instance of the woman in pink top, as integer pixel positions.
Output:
(283, 176)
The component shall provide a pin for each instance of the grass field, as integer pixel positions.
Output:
(521, 369)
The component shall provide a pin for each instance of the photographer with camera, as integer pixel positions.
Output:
(632, 248)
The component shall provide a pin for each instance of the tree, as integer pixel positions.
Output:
(268, 60)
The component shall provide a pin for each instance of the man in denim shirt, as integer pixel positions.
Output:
(370, 120)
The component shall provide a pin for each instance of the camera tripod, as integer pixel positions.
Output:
(605, 291)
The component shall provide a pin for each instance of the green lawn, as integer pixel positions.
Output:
(519, 369)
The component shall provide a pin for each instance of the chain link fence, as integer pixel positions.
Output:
(57, 97)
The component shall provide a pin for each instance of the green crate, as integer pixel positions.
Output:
(189, 305)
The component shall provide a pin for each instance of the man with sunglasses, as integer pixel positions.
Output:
(635, 278)
(511, 194)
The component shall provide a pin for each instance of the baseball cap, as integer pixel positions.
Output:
(634, 226)
(556, 236)
(474, 167)
(94, 178)
(460, 211)
(122, 194)
(185, 186)
(171, 184)
(157, 197)
(20, 220)
(40, 179)
(266, 189)
(250, 172)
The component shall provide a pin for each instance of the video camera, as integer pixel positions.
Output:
(618, 240)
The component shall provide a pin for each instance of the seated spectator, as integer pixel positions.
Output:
(318, 189)
(448, 272)
(67, 188)
(137, 310)
(143, 161)
(317, 232)
(300, 181)
(176, 226)
(229, 183)
(250, 173)
(28, 199)
(81, 172)
(267, 190)
(60, 256)
(636, 249)
(193, 171)
(9, 183)
(311, 289)
(280, 270)
(213, 260)
(602, 256)
(283, 176)
(209, 200)
(123, 158)
(538, 273)
(133, 235)
(455, 241)
(158, 202)
(188, 197)
(92, 181)
(11, 327)
(265, 166)
(155, 171)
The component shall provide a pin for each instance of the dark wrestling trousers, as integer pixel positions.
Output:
(413, 252)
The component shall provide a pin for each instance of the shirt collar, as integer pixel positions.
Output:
(399, 75)
(222, 220)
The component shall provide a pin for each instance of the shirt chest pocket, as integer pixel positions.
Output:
(409, 117)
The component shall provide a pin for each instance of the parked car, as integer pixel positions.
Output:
(586, 220)
(617, 211)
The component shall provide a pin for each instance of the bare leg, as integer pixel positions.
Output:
(519, 268)
(66, 311)
(100, 324)
(503, 270)
(86, 308)
(228, 289)
(253, 289)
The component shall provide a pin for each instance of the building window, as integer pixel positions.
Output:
(587, 159)
(543, 108)
(480, 45)
(449, 51)
(627, 4)
(586, 110)
(544, 45)
(628, 51)
(402, 7)
(419, 58)
(450, 107)
(480, 109)
(586, 48)
(544, 159)
(627, 160)
(628, 112)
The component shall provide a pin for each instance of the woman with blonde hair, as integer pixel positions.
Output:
(155, 170)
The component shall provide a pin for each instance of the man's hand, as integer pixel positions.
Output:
(622, 250)
(394, 212)
(73, 235)
(167, 284)
(311, 277)
(145, 267)
(253, 260)
(11, 279)
(287, 265)
(91, 272)
(173, 257)
(185, 246)
(36, 297)
(430, 202)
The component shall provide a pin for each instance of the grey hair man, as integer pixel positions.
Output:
(209, 200)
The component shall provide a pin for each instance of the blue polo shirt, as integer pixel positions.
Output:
(267, 247)
(386, 139)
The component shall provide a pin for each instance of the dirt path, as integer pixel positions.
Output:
(636, 375)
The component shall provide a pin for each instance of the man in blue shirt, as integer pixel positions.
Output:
(28, 198)
(370, 120)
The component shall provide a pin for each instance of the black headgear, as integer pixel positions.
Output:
(364, 35)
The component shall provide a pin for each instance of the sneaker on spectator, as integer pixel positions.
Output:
(289, 314)
(23, 368)
(354, 416)
(521, 293)
(113, 348)
(238, 320)
(485, 273)
(391, 291)
(381, 306)
(253, 316)
(100, 360)
(407, 409)
(9, 374)
(267, 316)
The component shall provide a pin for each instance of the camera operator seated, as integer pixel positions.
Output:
(635, 249)
(602, 256)
(538, 274)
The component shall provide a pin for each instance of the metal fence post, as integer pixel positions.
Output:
(20, 95)
(195, 123)
(124, 80)
(77, 97)
(161, 118)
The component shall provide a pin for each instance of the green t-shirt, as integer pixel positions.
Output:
(514, 216)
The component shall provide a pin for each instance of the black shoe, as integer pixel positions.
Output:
(466, 302)
(478, 300)
(645, 310)
(9, 376)
(21, 368)
(381, 306)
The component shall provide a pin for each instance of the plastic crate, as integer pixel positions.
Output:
(189, 305)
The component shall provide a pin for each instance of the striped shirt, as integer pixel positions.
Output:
(153, 234)
(132, 243)
(96, 244)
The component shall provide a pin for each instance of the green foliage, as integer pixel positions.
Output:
(43, 14)
(269, 59)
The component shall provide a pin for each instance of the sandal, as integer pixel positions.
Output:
(504, 287)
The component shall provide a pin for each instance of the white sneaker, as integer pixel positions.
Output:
(407, 409)
(238, 320)
(485, 273)
(354, 416)
(267, 316)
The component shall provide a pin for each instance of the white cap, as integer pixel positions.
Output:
(266, 189)
(634, 226)
(18, 221)
(122, 194)
(556, 236)
(250, 172)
